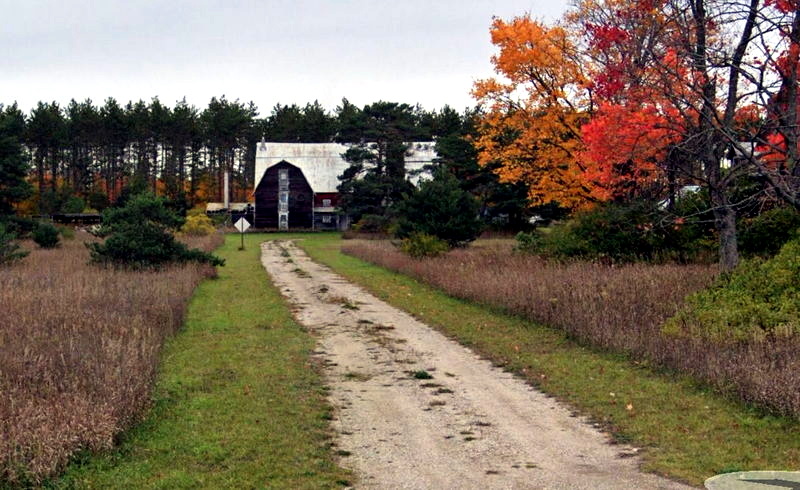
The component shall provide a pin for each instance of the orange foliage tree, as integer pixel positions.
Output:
(623, 93)
(531, 117)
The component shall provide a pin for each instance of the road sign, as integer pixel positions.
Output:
(242, 225)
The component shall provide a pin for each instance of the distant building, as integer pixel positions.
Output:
(296, 183)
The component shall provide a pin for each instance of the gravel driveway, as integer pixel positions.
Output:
(414, 409)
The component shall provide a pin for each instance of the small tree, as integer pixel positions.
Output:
(45, 235)
(140, 235)
(9, 248)
(442, 209)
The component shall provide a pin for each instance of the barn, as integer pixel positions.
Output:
(296, 183)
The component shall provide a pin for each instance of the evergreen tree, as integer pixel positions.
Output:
(440, 208)
(139, 234)
(13, 165)
(376, 177)
(46, 136)
(501, 204)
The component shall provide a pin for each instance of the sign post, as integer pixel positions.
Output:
(242, 225)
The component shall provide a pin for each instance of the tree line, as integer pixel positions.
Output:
(85, 156)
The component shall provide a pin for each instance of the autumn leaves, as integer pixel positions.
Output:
(605, 103)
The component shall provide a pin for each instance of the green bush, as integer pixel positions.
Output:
(766, 233)
(97, 199)
(442, 209)
(372, 223)
(66, 232)
(9, 248)
(139, 235)
(146, 245)
(422, 245)
(73, 205)
(759, 299)
(45, 235)
(621, 233)
(198, 225)
(18, 225)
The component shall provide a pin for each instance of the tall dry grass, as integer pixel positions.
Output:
(79, 349)
(619, 308)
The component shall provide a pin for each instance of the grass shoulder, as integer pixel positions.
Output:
(688, 432)
(237, 404)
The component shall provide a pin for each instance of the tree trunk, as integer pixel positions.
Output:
(725, 221)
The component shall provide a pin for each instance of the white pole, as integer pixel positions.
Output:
(226, 194)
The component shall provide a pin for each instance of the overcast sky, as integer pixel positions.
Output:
(267, 51)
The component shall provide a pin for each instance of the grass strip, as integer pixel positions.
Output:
(238, 403)
(689, 432)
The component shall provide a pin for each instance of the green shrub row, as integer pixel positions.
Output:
(645, 231)
(758, 300)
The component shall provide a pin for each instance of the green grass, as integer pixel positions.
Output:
(237, 403)
(689, 432)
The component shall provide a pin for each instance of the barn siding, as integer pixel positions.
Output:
(300, 198)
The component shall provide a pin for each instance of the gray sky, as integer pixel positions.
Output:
(267, 51)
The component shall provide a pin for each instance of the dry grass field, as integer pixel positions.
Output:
(80, 347)
(616, 308)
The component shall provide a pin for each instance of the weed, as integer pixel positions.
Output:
(421, 374)
(430, 385)
(301, 273)
(354, 376)
(344, 302)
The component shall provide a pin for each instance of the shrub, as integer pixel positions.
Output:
(66, 232)
(200, 209)
(146, 245)
(98, 200)
(766, 233)
(198, 225)
(138, 209)
(372, 223)
(9, 248)
(73, 205)
(621, 233)
(139, 236)
(421, 245)
(442, 209)
(46, 235)
(18, 225)
(760, 299)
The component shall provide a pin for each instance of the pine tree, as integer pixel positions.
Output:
(13, 164)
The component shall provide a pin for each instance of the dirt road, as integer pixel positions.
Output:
(417, 410)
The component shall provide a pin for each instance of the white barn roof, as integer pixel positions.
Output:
(322, 163)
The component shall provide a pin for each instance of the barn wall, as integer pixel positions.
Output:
(300, 198)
